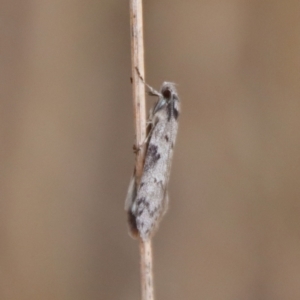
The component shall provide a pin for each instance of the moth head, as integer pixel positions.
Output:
(167, 97)
(168, 91)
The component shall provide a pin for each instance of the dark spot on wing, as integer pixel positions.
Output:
(152, 150)
(166, 138)
(152, 156)
(172, 110)
(141, 200)
(175, 113)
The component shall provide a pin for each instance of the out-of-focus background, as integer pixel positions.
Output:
(66, 125)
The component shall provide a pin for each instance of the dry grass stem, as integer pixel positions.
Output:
(138, 89)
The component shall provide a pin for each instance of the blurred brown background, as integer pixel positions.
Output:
(233, 228)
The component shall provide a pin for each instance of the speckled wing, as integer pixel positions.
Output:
(150, 199)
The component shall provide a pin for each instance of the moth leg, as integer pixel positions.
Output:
(152, 91)
(137, 148)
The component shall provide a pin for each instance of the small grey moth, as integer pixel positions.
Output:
(147, 202)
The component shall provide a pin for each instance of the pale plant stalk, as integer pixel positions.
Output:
(138, 89)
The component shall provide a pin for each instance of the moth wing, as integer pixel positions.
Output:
(148, 207)
(151, 199)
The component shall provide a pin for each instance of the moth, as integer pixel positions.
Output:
(147, 202)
